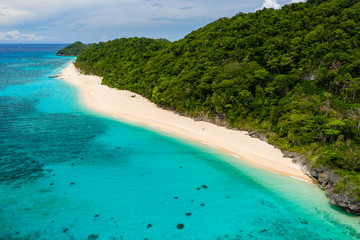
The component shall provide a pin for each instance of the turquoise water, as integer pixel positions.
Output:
(69, 173)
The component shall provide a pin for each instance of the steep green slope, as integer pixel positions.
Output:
(122, 58)
(291, 74)
(73, 49)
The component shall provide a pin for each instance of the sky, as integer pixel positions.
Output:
(67, 21)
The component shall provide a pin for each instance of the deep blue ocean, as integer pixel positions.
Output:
(67, 172)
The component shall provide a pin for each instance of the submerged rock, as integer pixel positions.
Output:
(93, 236)
(180, 226)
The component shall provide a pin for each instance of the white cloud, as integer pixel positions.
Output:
(9, 14)
(271, 4)
(120, 11)
(297, 1)
(104, 38)
(18, 36)
(91, 19)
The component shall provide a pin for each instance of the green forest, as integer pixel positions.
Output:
(73, 49)
(292, 74)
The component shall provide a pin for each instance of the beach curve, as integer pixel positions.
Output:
(132, 107)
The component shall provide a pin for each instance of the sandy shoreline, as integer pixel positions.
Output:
(122, 104)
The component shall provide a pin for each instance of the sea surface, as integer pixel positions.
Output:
(67, 172)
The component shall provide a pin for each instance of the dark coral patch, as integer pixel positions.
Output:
(180, 226)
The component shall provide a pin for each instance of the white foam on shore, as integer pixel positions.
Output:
(205, 143)
(115, 116)
(300, 179)
(234, 155)
(164, 130)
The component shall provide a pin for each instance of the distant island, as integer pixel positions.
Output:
(290, 77)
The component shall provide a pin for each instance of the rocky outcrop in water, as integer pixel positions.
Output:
(329, 181)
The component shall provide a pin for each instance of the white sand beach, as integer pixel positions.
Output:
(135, 108)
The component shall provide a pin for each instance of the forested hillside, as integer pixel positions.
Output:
(292, 74)
(73, 49)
